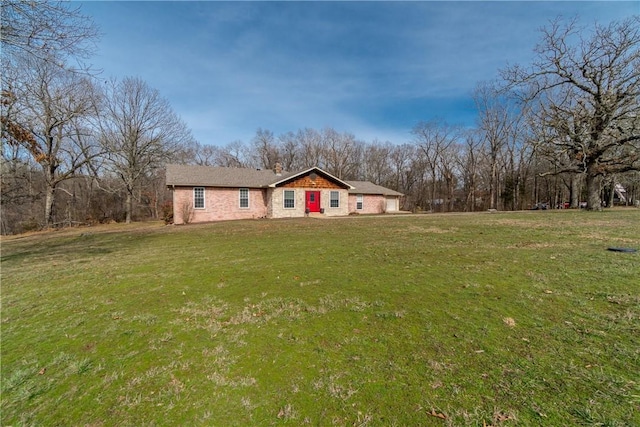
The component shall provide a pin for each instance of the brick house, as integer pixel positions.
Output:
(203, 194)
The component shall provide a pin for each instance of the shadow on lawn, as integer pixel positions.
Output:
(77, 246)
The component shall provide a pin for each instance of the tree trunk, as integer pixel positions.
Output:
(432, 196)
(472, 208)
(129, 207)
(516, 193)
(612, 192)
(594, 203)
(574, 196)
(450, 190)
(48, 206)
(492, 187)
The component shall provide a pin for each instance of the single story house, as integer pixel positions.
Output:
(203, 193)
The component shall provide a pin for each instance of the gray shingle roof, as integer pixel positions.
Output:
(366, 187)
(221, 177)
(207, 176)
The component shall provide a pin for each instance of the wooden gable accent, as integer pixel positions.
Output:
(312, 180)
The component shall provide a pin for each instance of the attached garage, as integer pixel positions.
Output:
(392, 204)
(368, 198)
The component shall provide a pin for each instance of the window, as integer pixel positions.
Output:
(359, 201)
(198, 197)
(335, 199)
(289, 199)
(244, 198)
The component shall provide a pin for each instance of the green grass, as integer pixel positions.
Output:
(483, 319)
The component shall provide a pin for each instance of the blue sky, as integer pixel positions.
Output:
(374, 69)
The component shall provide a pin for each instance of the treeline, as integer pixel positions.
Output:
(442, 169)
(78, 150)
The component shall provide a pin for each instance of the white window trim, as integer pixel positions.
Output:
(331, 199)
(240, 198)
(360, 200)
(284, 198)
(204, 198)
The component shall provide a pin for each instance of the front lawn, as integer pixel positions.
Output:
(462, 319)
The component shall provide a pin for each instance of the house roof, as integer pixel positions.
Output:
(189, 175)
(208, 176)
(366, 187)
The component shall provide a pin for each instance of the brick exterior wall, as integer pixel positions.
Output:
(371, 204)
(220, 204)
(276, 203)
(224, 204)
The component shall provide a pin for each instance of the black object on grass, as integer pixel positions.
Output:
(627, 250)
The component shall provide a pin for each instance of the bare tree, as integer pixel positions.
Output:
(311, 148)
(375, 165)
(341, 153)
(234, 155)
(449, 173)
(50, 31)
(469, 163)
(496, 121)
(265, 149)
(289, 151)
(139, 131)
(402, 174)
(631, 183)
(21, 189)
(207, 155)
(44, 107)
(584, 90)
(46, 110)
(199, 154)
(517, 155)
(433, 138)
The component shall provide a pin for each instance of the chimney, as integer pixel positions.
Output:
(278, 169)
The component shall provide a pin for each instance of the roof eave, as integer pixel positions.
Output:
(190, 184)
(295, 175)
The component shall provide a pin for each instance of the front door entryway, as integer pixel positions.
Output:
(312, 201)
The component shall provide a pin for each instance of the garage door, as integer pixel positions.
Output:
(392, 205)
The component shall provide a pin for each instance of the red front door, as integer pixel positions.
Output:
(312, 201)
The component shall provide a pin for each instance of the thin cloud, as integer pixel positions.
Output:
(230, 68)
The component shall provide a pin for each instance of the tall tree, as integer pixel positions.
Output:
(311, 148)
(449, 173)
(265, 149)
(584, 88)
(289, 151)
(46, 110)
(402, 174)
(341, 153)
(496, 124)
(44, 105)
(433, 139)
(234, 155)
(139, 132)
(469, 164)
(375, 163)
